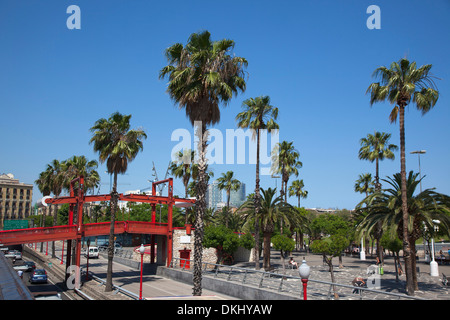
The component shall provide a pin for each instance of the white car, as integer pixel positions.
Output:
(14, 254)
(93, 252)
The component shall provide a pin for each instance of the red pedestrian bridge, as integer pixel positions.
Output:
(76, 231)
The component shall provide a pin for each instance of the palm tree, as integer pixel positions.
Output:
(386, 208)
(44, 184)
(364, 184)
(376, 148)
(184, 168)
(401, 84)
(258, 115)
(273, 210)
(288, 163)
(117, 145)
(80, 166)
(56, 176)
(202, 75)
(227, 182)
(296, 189)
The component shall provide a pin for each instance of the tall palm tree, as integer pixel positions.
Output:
(44, 184)
(364, 184)
(202, 75)
(296, 189)
(80, 166)
(273, 211)
(386, 208)
(117, 145)
(258, 114)
(228, 183)
(56, 176)
(401, 84)
(75, 167)
(376, 147)
(288, 163)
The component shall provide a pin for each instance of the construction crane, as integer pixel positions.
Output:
(155, 175)
(160, 186)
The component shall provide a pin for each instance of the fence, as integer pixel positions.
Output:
(288, 284)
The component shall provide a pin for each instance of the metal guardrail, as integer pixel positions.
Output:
(287, 283)
(116, 288)
(83, 295)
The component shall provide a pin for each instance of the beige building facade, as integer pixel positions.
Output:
(15, 198)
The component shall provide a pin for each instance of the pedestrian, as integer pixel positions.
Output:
(293, 263)
(20, 274)
(358, 282)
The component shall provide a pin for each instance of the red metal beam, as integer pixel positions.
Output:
(102, 228)
(147, 227)
(33, 235)
(122, 197)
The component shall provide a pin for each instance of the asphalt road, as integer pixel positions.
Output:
(41, 290)
(153, 286)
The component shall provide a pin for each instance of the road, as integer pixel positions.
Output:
(154, 286)
(45, 289)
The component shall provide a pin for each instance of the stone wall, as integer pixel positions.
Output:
(182, 241)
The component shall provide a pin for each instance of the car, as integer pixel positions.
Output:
(38, 276)
(117, 246)
(26, 266)
(15, 254)
(30, 265)
(93, 252)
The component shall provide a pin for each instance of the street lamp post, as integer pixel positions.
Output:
(304, 271)
(141, 251)
(62, 252)
(362, 253)
(419, 152)
(434, 269)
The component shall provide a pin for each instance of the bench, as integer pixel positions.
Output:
(445, 259)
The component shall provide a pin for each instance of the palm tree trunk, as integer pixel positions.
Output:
(413, 264)
(201, 207)
(266, 260)
(108, 286)
(43, 224)
(406, 244)
(55, 214)
(228, 208)
(257, 205)
(377, 177)
(396, 267)
(187, 209)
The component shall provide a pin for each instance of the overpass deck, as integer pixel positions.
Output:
(67, 232)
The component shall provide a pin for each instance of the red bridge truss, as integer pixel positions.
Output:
(76, 231)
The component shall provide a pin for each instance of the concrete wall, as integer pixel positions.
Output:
(237, 290)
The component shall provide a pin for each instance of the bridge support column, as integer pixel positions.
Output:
(152, 249)
(68, 257)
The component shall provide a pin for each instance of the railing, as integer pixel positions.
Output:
(83, 295)
(116, 288)
(288, 284)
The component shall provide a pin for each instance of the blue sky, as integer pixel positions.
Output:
(313, 58)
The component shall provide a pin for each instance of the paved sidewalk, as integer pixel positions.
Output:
(429, 287)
